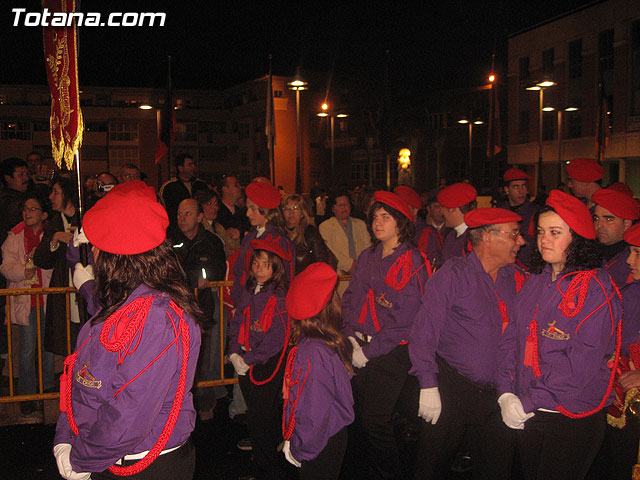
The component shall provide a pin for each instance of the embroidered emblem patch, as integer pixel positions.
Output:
(383, 302)
(83, 377)
(554, 333)
(256, 326)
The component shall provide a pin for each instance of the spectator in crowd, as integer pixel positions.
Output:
(310, 246)
(18, 268)
(39, 174)
(201, 255)
(345, 236)
(183, 185)
(456, 201)
(515, 188)
(584, 178)
(613, 214)
(231, 216)
(129, 172)
(320, 207)
(51, 254)
(211, 206)
(105, 181)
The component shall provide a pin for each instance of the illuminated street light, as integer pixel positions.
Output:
(145, 107)
(466, 121)
(540, 86)
(325, 113)
(298, 85)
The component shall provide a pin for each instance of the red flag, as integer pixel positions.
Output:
(166, 122)
(61, 55)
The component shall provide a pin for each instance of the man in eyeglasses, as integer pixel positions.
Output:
(453, 347)
(129, 172)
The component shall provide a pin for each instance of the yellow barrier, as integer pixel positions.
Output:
(67, 291)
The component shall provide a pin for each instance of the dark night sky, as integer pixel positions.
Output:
(214, 44)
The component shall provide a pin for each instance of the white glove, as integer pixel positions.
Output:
(512, 411)
(286, 449)
(239, 364)
(359, 360)
(82, 274)
(62, 451)
(79, 237)
(430, 405)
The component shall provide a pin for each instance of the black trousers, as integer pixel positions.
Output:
(553, 446)
(326, 466)
(376, 390)
(177, 465)
(618, 453)
(471, 409)
(264, 418)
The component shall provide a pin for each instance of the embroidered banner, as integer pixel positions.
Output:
(61, 55)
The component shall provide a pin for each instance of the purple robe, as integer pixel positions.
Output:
(631, 325)
(455, 246)
(618, 267)
(262, 344)
(394, 308)
(430, 244)
(572, 351)
(459, 319)
(325, 404)
(111, 426)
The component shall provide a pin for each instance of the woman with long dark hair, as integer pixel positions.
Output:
(318, 399)
(126, 406)
(378, 309)
(554, 379)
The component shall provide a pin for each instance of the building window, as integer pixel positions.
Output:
(523, 72)
(437, 121)
(123, 131)
(243, 131)
(575, 59)
(187, 132)
(15, 131)
(605, 50)
(41, 126)
(358, 172)
(379, 171)
(547, 63)
(574, 125)
(121, 156)
(95, 127)
(523, 126)
(548, 125)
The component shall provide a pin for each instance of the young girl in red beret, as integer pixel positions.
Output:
(317, 390)
(258, 339)
(384, 295)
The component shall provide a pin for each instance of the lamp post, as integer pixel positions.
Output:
(332, 117)
(540, 88)
(297, 85)
(559, 112)
(470, 124)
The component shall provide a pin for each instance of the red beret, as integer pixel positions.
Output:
(489, 216)
(574, 212)
(272, 247)
(621, 187)
(126, 221)
(263, 194)
(310, 291)
(585, 170)
(457, 195)
(620, 204)
(632, 235)
(409, 195)
(515, 174)
(394, 201)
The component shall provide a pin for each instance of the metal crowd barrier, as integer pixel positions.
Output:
(67, 291)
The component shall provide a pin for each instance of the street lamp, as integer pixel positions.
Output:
(298, 85)
(466, 121)
(559, 118)
(540, 88)
(332, 117)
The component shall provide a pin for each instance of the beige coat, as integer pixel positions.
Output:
(337, 241)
